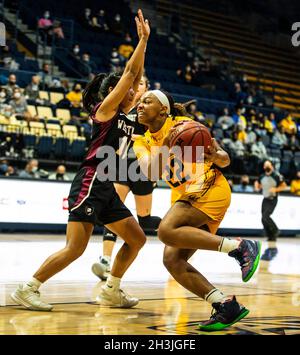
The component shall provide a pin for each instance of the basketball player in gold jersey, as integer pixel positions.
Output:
(199, 207)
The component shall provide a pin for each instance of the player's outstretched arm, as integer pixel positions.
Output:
(111, 103)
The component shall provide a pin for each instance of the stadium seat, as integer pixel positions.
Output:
(63, 115)
(77, 149)
(54, 129)
(37, 128)
(55, 97)
(44, 112)
(61, 147)
(32, 110)
(44, 95)
(70, 132)
(29, 140)
(44, 147)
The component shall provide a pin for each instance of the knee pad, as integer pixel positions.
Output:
(108, 235)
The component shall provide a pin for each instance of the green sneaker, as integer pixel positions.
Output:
(227, 313)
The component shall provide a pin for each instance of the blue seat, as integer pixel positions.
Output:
(44, 147)
(77, 150)
(61, 147)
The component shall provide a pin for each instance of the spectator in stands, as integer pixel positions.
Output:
(7, 60)
(241, 133)
(3, 167)
(259, 150)
(187, 74)
(19, 107)
(115, 60)
(191, 109)
(75, 96)
(239, 118)
(272, 119)
(11, 171)
(116, 25)
(3, 97)
(60, 174)
(244, 83)
(238, 95)
(75, 53)
(293, 143)
(126, 48)
(46, 77)
(244, 185)
(157, 85)
(251, 135)
(225, 121)
(87, 66)
(87, 20)
(32, 91)
(48, 28)
(11, 85)
(99, 21)
(295, 185)
(31, 170)
(279, 139)
(237, 150)
(288, 124)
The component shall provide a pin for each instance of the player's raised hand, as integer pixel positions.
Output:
(142, 26)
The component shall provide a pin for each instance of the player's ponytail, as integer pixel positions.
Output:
(90, 95)
(98, 89)
(177, 109)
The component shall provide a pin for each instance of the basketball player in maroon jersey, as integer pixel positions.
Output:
(107, 98)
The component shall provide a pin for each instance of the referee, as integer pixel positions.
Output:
(271, 183)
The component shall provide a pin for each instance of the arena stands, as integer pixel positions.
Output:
(257, 88)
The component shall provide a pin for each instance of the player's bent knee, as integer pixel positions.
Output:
(166, 234)
(74, 253)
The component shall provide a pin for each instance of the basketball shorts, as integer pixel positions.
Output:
(93, 201)
(139, 188)
(212, 200)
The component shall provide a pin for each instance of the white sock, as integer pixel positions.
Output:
(215, 296)
(106, 258)
(272, 244)
(112, 283)
(227, 245)
(33, 282)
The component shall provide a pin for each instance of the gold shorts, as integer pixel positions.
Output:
(212, 198)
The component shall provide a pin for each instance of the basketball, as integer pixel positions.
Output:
(190, 134)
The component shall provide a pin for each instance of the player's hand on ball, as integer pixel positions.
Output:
(212, 151)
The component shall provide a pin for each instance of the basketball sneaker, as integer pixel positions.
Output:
(115, 298)
(30, 298)
(101, 269)
(269, 254)
(226, 314)
(248, 256)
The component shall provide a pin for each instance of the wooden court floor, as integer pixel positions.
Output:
(272, 296)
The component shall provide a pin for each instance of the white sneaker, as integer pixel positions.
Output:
(30, 298)
(101, 270)
(117, 298)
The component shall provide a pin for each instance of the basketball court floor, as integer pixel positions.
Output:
(272, 295)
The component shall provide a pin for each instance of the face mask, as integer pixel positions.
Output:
(46, 15)
(77, 90)
(2, 94)
(114, 54)
(17, 95)
(117, 18)
(268, 170)
(298, 177)
(76, 50)
(59, 176)
(34, 170)
(12, 82)
(244, 183)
